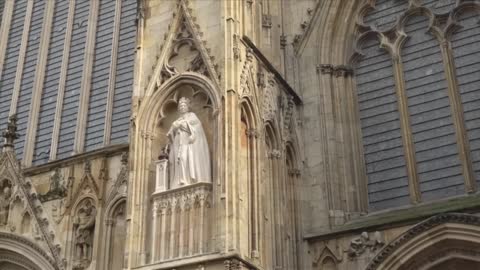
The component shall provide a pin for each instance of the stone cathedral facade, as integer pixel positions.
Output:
(240, 134)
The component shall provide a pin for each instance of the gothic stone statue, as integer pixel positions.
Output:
(85, 225)
(189, 158)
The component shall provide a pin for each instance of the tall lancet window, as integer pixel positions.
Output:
(248, 184)
(381, 127)
(465, 42)
(417, 69)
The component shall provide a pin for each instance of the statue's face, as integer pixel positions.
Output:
(182, 108)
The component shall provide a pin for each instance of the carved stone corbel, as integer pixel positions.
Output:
(294, 172)
(275, 154)
(267, 20)
(252, 133)
(325, 69)
(364, 242)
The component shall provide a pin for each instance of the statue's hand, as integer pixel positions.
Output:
(175, 125)
(191, 139)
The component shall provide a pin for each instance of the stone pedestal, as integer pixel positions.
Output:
(179, 222)
(161, 183)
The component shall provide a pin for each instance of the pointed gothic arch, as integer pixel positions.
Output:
(249, 164)
(146, 141)
(84, 232)
(272, 201)
(433, 244)
(292, 224)
(114, 238)
(23, 253)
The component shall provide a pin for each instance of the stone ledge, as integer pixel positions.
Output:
(399, 217)
(197, 186)
(110, 150)
(200, 259)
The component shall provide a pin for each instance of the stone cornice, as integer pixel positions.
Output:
(397, 217)
(185, 189)
(106, 151)
(202, 260)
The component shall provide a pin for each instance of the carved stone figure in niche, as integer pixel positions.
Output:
(189, 158)
(5, 199)
(84, 227)
(57, 188)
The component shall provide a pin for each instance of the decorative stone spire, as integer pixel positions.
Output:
(10, 134)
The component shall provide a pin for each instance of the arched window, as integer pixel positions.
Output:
(418, 92)
(248, 176)
(438, 164)
(381, 126)
(466, 53)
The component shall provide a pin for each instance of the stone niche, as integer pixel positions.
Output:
(200, 105)
(180, 209)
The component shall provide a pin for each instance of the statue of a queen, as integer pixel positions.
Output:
(189, 157)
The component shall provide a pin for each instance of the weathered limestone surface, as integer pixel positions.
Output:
(276, 86)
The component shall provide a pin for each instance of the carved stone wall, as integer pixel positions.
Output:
(181, 222)
(287, 113)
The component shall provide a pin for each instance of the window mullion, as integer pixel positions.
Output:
(457, 115)
(407, 138)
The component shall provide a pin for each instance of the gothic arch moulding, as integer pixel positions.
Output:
(114, 237)
(155, 116)
(326, 259)
(21, 252)
(83, 232)
(435, 243)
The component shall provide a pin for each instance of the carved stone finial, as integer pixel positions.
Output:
(10, 134)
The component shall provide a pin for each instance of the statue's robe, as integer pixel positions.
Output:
(189, 157)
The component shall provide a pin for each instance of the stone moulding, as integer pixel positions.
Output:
(418, 229)
(24, 245)
(180, 220)
(187, 189)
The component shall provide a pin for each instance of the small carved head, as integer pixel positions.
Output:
(184, 105)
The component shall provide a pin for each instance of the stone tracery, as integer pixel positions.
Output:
(419, 26)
